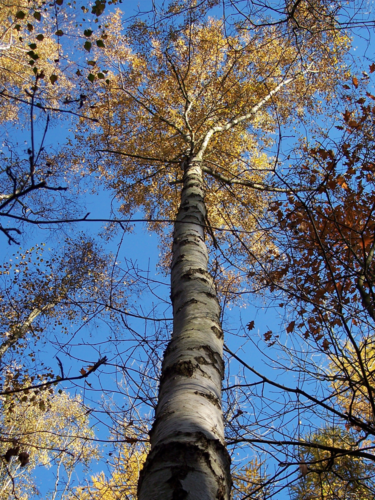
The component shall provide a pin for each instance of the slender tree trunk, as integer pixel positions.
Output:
(188, 459)
(19, 331)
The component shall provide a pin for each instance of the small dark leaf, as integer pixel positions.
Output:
(91, 63)
(100, 43)
(59, 33)
(30, 27)
(40, 37)
(23, 457)
(268, 336)
(87, 32)
(12, 452)
(250, 326)
(59, 2)
(32, 46)
(325, 344)
(33, 55)
(290, 327)
(20, 15)
(303, 468)
(101, 76)
(53, 79)
(98, 7)
(87, 46)
(37, 16)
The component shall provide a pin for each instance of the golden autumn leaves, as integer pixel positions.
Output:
(197, 91)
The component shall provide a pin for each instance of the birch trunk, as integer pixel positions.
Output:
(19, 331)
(188, 458)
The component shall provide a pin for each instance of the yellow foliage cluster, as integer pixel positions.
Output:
(124, 478)
(30, 56)
(353, 376)
(333, 476)
(248, 481)
(198, 92)
(41, 428)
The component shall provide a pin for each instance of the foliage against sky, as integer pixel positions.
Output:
(194, 90)
(42, 428)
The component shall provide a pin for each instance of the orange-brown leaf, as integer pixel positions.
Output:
(290, 327)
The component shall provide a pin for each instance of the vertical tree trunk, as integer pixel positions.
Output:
(188, 459)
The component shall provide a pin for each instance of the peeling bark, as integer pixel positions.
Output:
(188, 458)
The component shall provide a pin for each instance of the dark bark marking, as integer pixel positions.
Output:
(218, 332)
(188, 302)
(179, 259)
(174, 296)
(214, 357)
(178, 473)
(188, 241)
(183, 368)
(187, 453)
(202, 361)
(192, 184)
(190, 274)
(211, 398)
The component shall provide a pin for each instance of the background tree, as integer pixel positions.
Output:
(42, 428)
(332, 476)
(322, 274)
(41, 290)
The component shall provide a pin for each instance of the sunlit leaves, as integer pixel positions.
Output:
(328, 475)
(29, 25)
(125, 468)
(39, 430)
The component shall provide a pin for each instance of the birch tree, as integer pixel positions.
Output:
(184, 115)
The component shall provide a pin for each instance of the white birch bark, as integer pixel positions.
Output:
(188, 459)
(19, 331)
